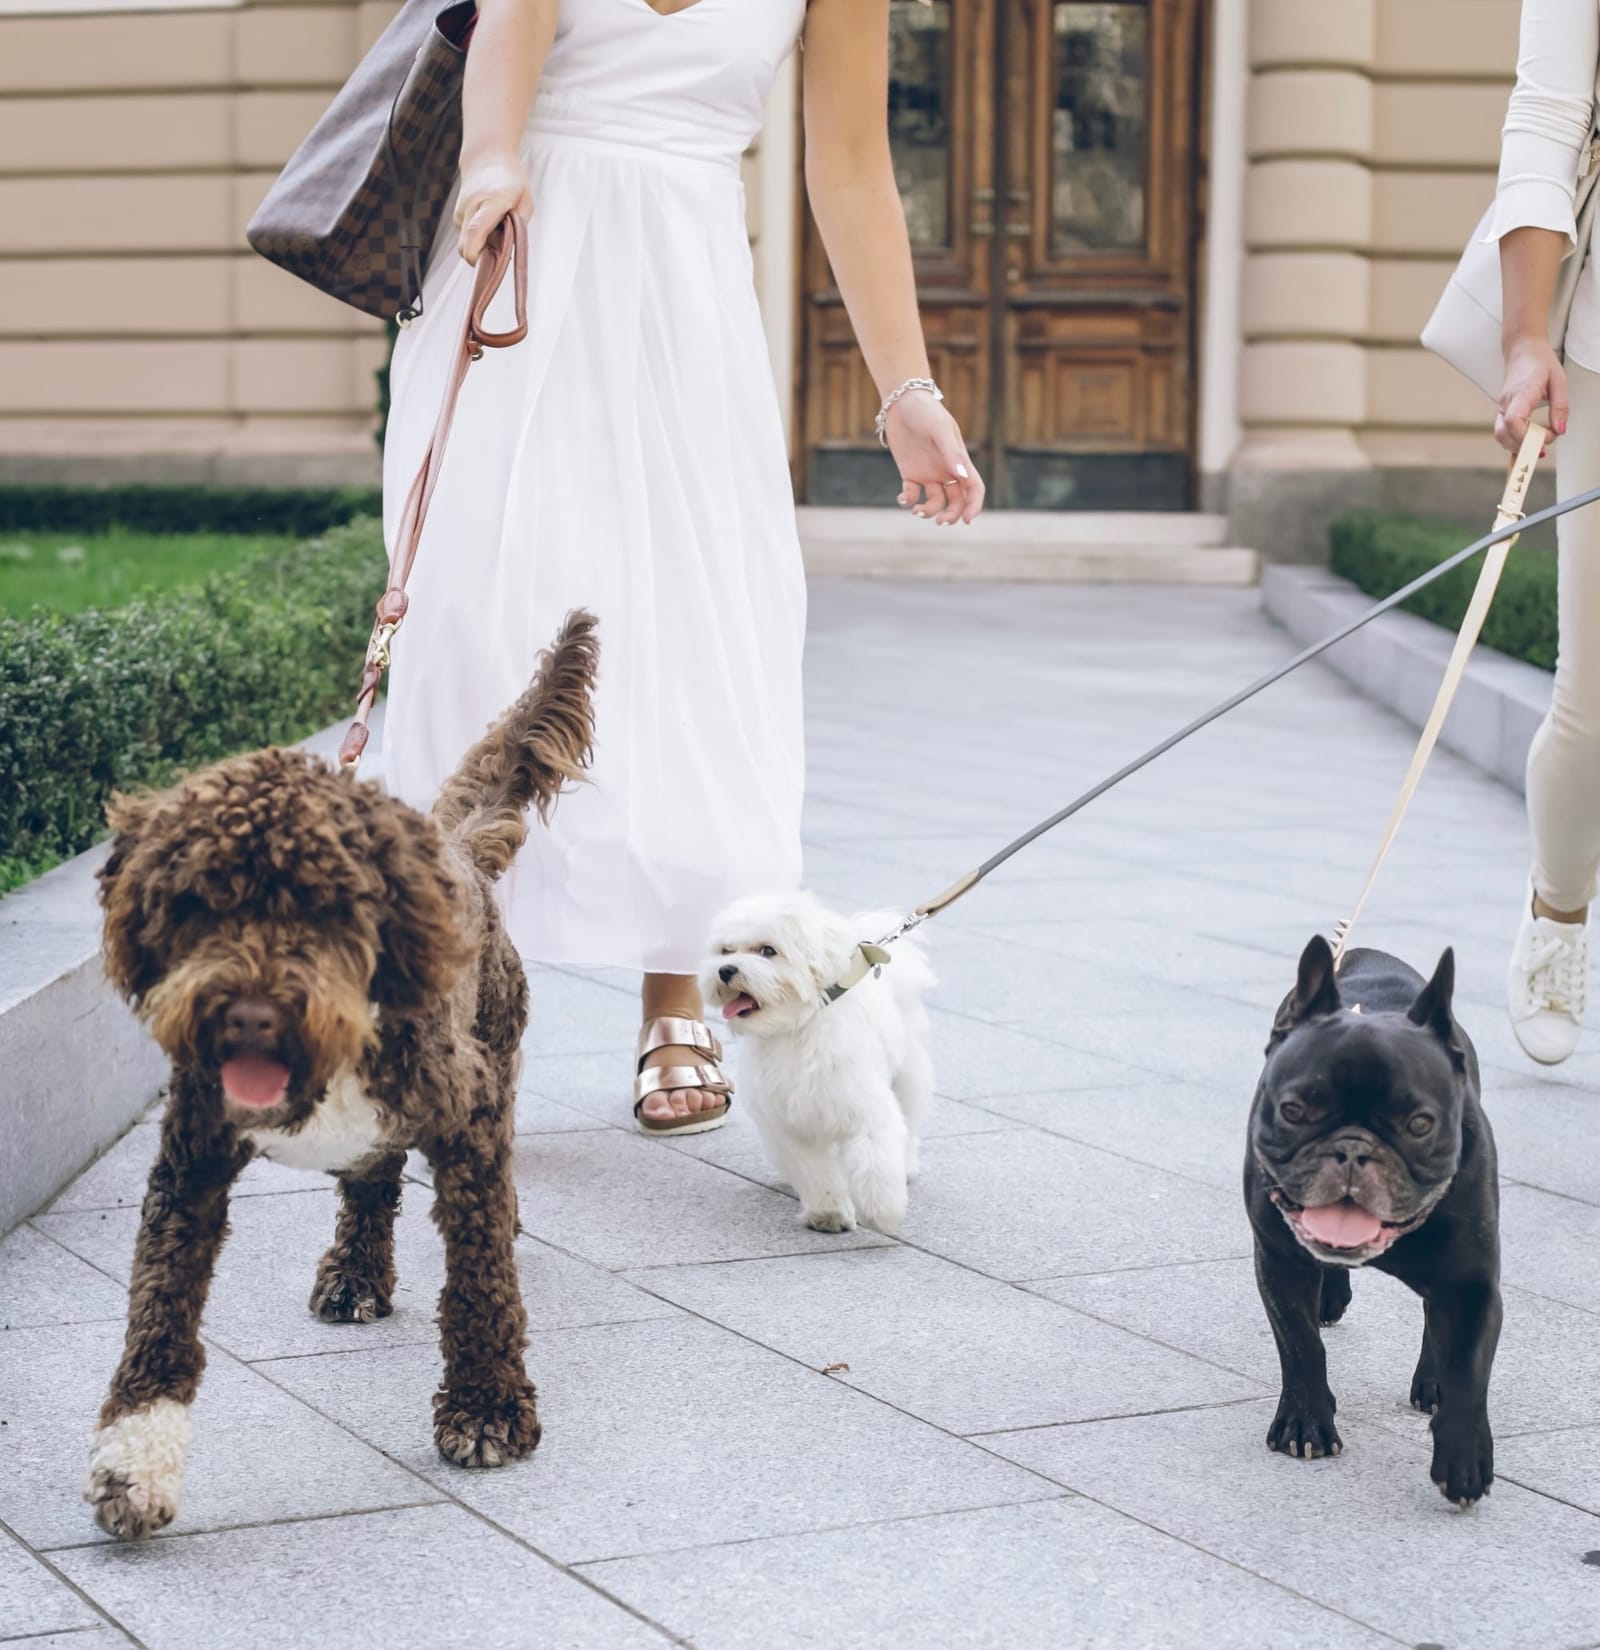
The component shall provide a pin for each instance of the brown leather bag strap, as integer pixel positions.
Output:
(507, 249)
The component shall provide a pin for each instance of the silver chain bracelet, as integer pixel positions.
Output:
(881, 422)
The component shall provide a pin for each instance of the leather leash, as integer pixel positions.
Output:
(507, 249)
(1518, 478)
(1509, 525)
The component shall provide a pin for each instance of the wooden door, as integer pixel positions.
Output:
(1046, 155)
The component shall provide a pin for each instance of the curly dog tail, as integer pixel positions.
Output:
(539, 747)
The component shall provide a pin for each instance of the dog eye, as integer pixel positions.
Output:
(727, 950)
(768, 951)
(1420, 1123)
(1291, 1111)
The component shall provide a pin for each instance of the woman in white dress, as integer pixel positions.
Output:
(629, 457)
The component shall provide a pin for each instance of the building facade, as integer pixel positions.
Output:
(1172, 254)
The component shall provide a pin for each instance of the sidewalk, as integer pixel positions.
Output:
(1044, 1422)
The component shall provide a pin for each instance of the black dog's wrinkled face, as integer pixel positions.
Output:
(1357, 1118)
(263, 915)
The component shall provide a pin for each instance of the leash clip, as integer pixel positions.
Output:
(378, 647)
(869, 957)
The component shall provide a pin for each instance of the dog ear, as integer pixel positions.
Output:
(131, 929)
(828, 941)
(1432, 1008)
(1316, 991)
(422, 946)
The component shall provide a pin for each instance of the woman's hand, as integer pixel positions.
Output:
(938, 477)
(1533, 374)
(489, 189)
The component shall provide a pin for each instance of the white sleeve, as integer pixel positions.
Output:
(1550, 118)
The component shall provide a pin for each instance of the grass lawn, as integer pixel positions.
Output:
(69, 572)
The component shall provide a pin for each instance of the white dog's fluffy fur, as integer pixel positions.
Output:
(838, 1093)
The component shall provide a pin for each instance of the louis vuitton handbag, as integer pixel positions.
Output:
(1464, 329)
(356, 209)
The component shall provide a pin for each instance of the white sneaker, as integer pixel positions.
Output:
(1546, 985)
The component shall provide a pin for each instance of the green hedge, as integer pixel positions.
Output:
(96, 702)
(1381, 553)
(297, 511)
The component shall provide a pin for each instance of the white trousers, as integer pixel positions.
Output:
(1564, 761)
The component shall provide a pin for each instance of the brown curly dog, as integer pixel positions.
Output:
(328, 973)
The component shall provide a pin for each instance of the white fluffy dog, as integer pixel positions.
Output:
(838, 1091)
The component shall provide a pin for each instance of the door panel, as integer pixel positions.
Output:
(1054, 251)
(1098, 253)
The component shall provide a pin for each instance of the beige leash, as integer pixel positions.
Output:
(1518, 479)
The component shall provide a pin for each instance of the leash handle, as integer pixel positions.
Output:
(940, 902)
(507, 250)
(1518, 478)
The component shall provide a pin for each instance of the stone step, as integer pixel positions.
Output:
(1023, 546)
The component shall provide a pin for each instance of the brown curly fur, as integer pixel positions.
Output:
(372, 933)
(529, 753)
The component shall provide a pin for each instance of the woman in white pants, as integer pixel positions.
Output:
(1547, 137)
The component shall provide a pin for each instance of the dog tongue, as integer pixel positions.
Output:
(735, 1006)
(1343, 1225)
(253, 1081)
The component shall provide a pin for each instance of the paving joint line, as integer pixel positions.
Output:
(106, 1618)
(1220, 1558)
(451, 1499)
(26, 1639)
(1121, 1415)
(1010, 1283)
(829, 1529)
(1077, 1140)
(167, 1536)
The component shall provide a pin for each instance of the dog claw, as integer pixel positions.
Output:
(340, 1297)
(127, 1510)
(1306, 1435)
(830, 1220)
(486, 1430)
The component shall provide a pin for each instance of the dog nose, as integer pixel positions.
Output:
(726, 973)
(253, 1020)
(1351, 1153)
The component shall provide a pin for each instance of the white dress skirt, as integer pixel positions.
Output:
(628, 456)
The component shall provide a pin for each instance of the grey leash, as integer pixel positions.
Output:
(868, 959)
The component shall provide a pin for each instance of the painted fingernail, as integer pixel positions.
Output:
(1561, 427)
(961, 470)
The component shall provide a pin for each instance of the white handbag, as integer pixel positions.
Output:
(1464, 329)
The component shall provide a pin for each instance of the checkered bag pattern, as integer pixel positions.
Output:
(356, 210)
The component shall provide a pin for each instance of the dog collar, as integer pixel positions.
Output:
(864, 960)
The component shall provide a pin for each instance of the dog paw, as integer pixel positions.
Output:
(127, 1509)
(1335, 1296)
(345, 1297)
(1463, 1460)
(135, 1482)
(1304, 1430)
(829, 1220)
(1425, 1390)
(486, 1428)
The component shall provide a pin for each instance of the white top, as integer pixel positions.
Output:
(1549, 123)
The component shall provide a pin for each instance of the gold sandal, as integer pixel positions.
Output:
(672, 1031)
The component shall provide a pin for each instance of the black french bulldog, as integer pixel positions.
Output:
(1368, 1146)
